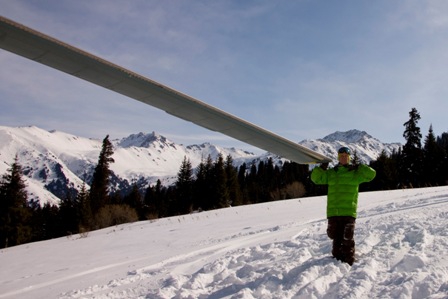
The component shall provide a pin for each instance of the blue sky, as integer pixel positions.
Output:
(301, 69)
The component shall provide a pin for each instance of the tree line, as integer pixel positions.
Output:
(219, 184)
(417, 163)
(213, 184)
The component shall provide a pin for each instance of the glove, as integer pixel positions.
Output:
(324, 166)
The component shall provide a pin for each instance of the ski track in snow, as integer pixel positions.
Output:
(399, 255)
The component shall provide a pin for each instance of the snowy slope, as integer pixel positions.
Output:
(271, 250)
(45, 158)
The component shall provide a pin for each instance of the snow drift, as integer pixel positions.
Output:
(271, 250)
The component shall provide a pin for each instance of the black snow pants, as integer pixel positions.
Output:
(341, 230)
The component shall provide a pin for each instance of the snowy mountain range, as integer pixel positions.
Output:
(55, 162)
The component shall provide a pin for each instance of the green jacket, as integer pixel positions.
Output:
(343, 183)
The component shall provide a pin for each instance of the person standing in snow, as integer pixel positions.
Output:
(342, 201)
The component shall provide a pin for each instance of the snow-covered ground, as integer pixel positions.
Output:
(272, 250)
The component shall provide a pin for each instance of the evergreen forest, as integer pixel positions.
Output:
(214, 184)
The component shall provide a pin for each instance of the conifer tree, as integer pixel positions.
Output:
(135, 200)
(84, 209)
(221, 197)
(199, 187)
(203, 186)
(36, 220)
(272, 174)
(412, 156)
(232, 182)
(99, 191)
(261, 182)
(442, 141)
(242, 175)
(51, 226)
(242, 181)
(386, 172)
(160, 198)
(271, 180)
(289, 173)
(14, 210)
(433, 160)
(412, 131)
(68, 215)
(150, 211)
(253, 192)
(184, 187)
(154, 205)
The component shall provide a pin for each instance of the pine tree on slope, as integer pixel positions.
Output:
(14, 210)
(99, 189)
(412, 155)
(184, 187)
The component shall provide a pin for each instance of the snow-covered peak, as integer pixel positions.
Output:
(143, 140)
(213, 150)
(351, 136)
(364, 145)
